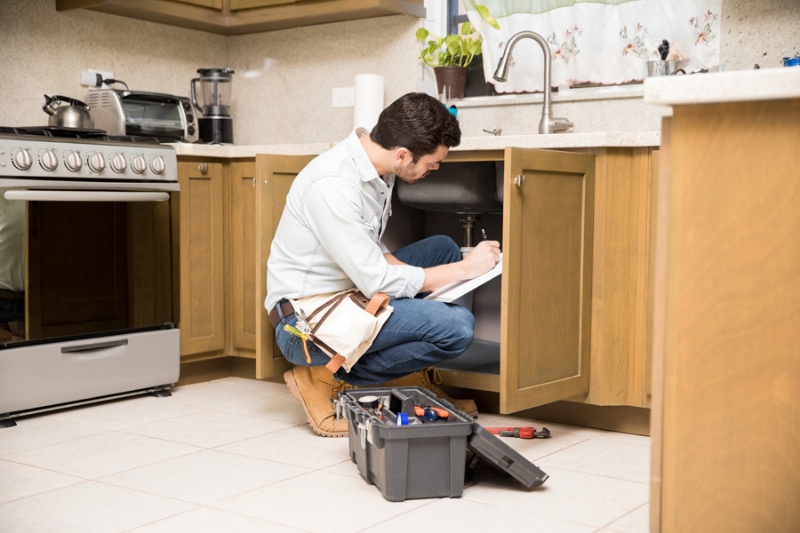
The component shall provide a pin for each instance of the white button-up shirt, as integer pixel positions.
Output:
(329, 235)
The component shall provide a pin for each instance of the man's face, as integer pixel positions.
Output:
(411, 172)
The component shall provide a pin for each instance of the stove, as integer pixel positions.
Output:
(84, 159)
(88, 268)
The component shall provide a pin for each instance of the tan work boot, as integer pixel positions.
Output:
(430, 379)
(316, 389)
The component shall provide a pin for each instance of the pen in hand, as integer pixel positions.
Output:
(483, 234)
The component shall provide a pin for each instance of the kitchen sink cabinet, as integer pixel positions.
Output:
(237, 17)
(217, 258)
(546, 283)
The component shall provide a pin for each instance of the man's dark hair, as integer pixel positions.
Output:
(417, 122)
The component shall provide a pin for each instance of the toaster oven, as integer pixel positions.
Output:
(168, 118)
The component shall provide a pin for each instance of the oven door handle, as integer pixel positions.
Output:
(85, 196)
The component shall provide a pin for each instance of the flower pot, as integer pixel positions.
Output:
(450, 81)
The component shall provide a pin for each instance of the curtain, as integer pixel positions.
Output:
(605, 42)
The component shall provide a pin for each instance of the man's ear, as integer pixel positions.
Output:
(402, 155)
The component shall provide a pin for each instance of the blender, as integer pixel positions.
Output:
(216, 124)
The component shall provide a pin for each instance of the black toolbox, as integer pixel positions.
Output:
(423, 458)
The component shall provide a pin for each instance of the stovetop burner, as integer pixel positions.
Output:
(75, 133)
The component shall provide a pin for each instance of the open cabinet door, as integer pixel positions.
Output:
(547, 277)
(274, 176)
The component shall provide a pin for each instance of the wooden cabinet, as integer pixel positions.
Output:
(547, 259)
(237, 17)
(242, 253)
(726, 420)
(217, 259)
(201, 257)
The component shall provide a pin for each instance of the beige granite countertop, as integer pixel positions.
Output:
(488, 142)
(718, 87)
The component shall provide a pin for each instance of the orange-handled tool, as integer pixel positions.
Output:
(527, 432)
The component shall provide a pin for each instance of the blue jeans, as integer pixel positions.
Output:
(419, 333)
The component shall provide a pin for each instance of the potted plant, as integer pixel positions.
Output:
(449, 56)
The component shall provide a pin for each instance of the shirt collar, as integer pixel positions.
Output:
(365, 168)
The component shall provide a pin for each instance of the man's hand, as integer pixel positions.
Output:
(481, 259)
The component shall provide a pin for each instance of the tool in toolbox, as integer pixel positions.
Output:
(526, 432)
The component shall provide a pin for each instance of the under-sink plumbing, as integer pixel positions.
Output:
(547, 124)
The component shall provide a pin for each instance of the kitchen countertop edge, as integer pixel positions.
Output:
(553, 141)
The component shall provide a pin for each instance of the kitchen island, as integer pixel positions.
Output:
(725, 415)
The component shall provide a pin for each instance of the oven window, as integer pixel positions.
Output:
(92, 268)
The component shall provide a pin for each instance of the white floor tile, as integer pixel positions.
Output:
(295, 446)
(605, 457)
(224, 392)
(36, 431)
(573, 496)
(126, 412)
(101, 454)
(278, 407)
(207, 520)
(19, 481)
(204, 477)
(86, 508)
(637, 521)
(455, 515)
(320, 502)
(208, 428)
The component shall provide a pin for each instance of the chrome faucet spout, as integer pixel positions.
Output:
(546, 124)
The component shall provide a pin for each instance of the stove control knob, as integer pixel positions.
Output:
(48, 160)
(139, 164)
(118, 163)
(22, 158)
(72, 160)
(96, 162)
(157, 165)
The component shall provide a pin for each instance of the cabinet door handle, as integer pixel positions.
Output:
(203, 167)
(519, 181)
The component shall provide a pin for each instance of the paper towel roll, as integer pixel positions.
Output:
(368, 100)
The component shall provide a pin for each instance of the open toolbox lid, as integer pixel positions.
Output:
(490, 448)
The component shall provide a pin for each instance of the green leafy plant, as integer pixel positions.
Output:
(454, 49)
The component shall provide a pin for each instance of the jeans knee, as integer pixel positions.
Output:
(448, 247)
(463, 327)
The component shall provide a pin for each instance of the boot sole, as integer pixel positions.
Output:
(288, 377)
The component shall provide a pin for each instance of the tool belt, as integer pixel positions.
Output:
(343, 324)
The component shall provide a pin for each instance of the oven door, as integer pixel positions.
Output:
(87, 306)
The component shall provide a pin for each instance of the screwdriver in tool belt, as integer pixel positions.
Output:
(528, 432)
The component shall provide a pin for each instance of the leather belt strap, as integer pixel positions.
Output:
(11, 295)
(286, 309)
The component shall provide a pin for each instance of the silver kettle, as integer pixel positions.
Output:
(74, 115)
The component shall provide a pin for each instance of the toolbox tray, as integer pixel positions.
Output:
(422, 460)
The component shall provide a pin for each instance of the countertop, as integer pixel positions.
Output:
(487, 142)
(719, 87)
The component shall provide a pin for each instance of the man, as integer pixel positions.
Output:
(329, 240)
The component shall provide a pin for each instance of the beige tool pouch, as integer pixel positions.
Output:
(343, 324)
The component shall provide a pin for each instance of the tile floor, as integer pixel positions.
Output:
(237, 455)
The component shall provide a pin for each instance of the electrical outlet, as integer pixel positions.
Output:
(343, 96)
(89, 77)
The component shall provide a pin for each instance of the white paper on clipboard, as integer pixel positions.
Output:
(457, 289)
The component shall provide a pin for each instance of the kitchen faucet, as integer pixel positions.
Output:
(547, 124)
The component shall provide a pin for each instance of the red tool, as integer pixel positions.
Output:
(528, 432)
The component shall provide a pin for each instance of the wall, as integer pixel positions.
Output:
(283, 81)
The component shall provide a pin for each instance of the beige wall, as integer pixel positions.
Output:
(283, 81)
